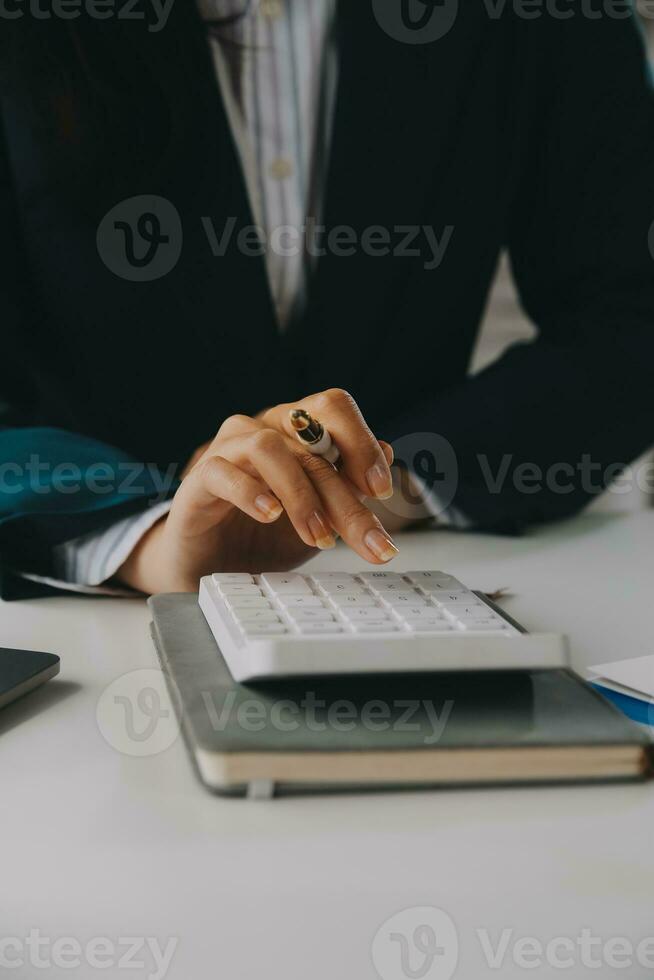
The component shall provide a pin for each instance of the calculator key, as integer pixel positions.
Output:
(283, 584)
(346, 599)
(339, 588)
(314, 628)
(419, 576)
(263, 629)
(321, 577)
(385, 586)
(228, 589)
(310, 615)
(236, 578)
(377, 615)
(363, 626)
(436, 590)
(482, 626)
(466, 613)
(418, 612)
(300, 601)
(438, 594)
(434, 580)
(247, 601)
(450, 599)
(431, 626)
(374, 577)
(250, 614)
(403, 599)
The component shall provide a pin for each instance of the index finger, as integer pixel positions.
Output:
(363, 457)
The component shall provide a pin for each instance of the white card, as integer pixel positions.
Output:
(636, 675)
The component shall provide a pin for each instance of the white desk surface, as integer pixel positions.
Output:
(95, 843)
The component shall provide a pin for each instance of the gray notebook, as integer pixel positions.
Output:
(382, 731)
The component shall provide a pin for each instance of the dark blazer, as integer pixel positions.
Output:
(532, 135)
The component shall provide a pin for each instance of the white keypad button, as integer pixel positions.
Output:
(362, 626)
(281, 584)
(436, 588)
(300, 601)
(377, 615)
(403, 599)
(431, 626)
(359, 601)
(331, 577)
(466, 613)
(313, 628)
(482, 626)
(450, 599)
(263, 629)
(452, 616)
(374, 577)
(250, 614)
(435, 585)
(419, 576)
(434, 580)
(384, 586)
(236, 578)
(418, 612)
(342, 588)
(311, 615)
(228, 589)
(247, 602)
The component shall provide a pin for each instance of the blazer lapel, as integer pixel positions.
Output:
(221, 288)
(396, 114)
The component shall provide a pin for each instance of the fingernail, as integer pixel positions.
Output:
(381, 545)
(388, 452)
(320, 532)
(269, 506)
(380, 482)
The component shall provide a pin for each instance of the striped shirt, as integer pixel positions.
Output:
(277, 69)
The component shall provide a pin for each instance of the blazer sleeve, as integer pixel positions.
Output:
(544, 428)
(54, 485)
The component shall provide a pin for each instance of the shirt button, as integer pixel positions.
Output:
(281, 169)
(272, 9)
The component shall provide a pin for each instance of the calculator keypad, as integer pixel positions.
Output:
(337, 603)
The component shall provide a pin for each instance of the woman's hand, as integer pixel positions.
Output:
(255, 499)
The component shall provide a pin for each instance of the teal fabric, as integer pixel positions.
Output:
(55, 486)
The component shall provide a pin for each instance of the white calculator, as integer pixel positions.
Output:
(282, 624)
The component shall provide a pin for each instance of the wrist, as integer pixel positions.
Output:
(142, 568)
